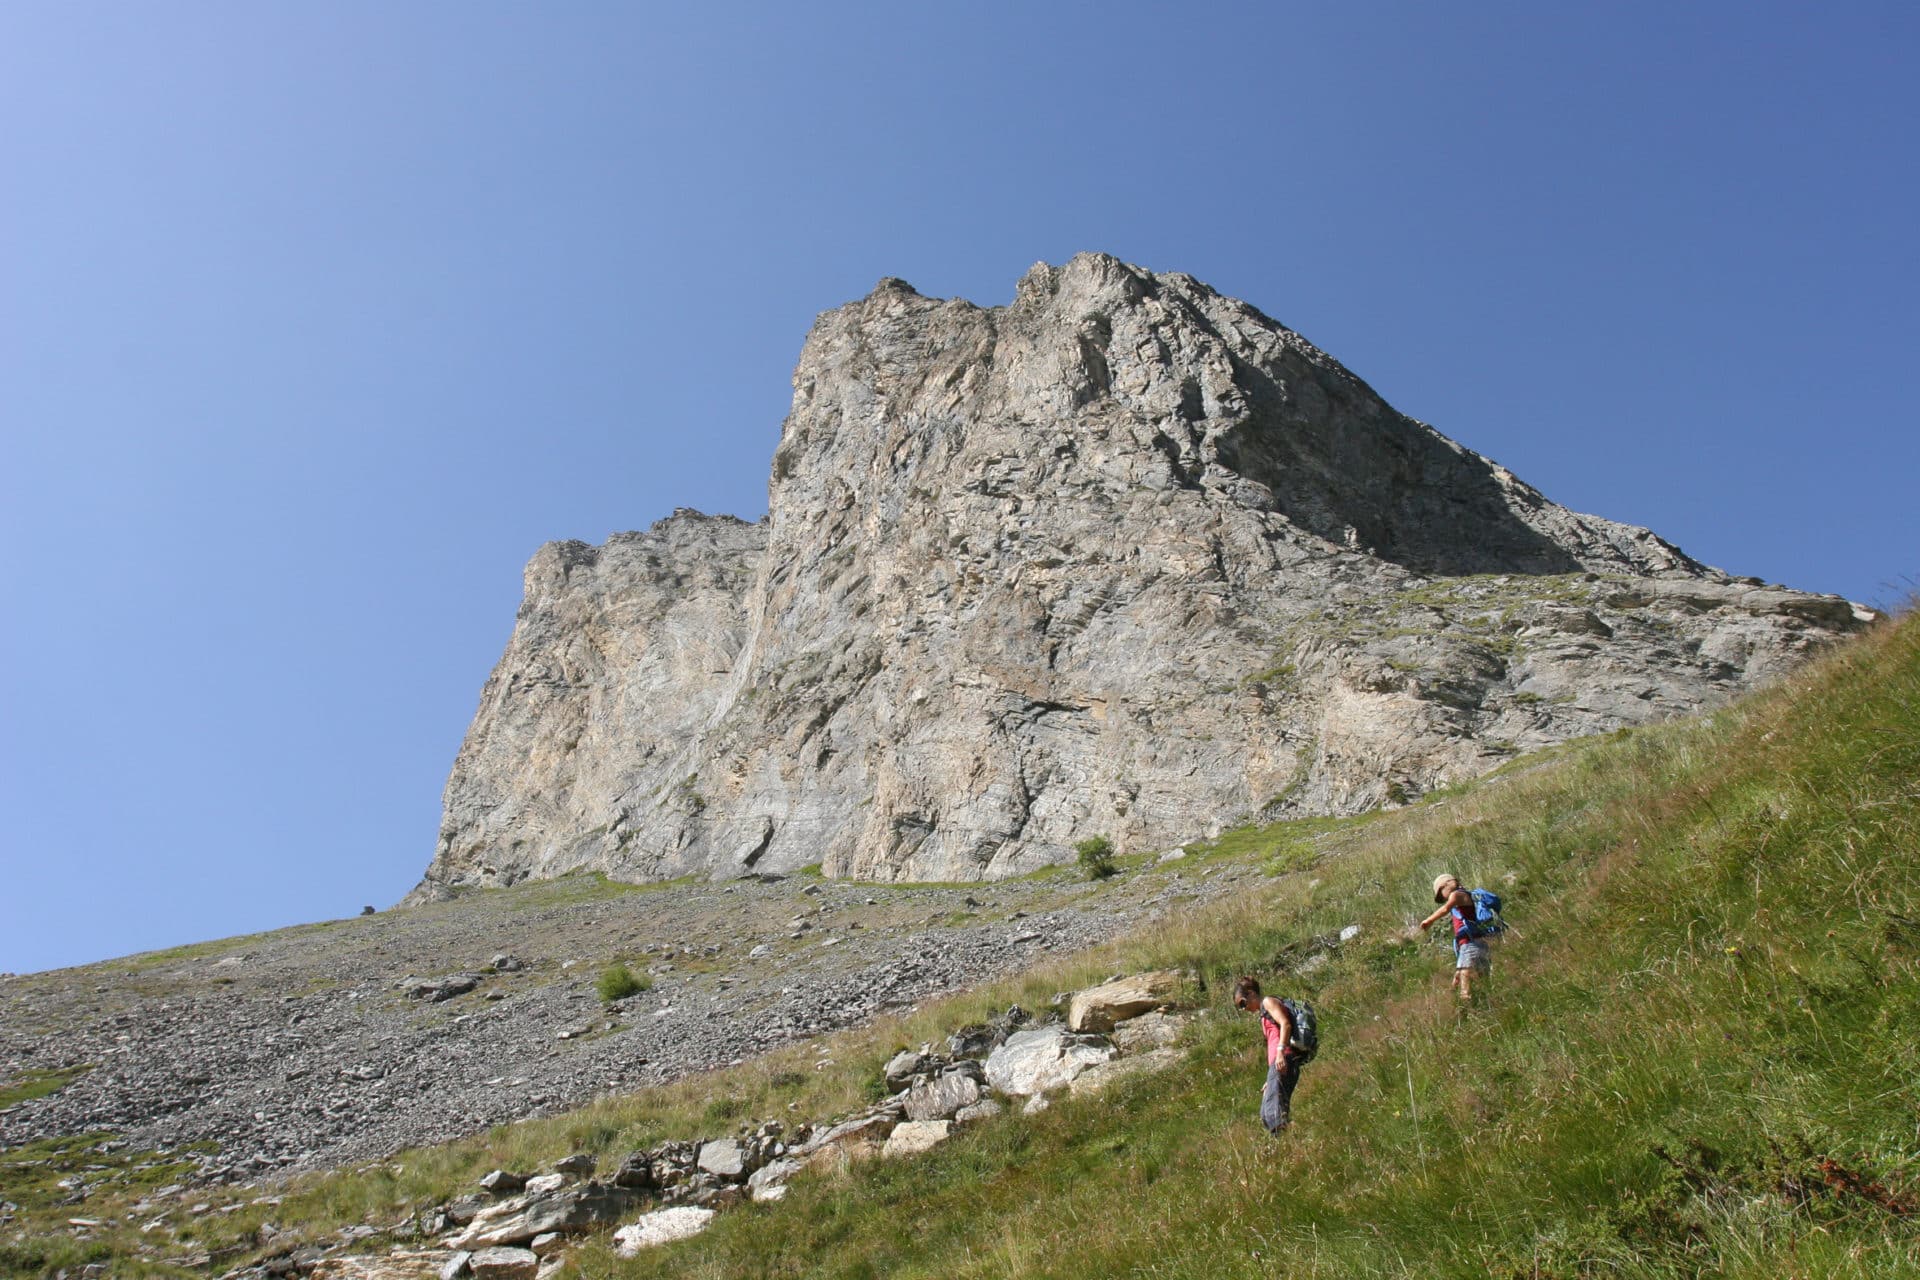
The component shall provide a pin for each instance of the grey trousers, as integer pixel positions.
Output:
(1276, 1100)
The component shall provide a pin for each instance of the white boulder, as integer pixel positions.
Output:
(915, 1136)
(1042, 1058)
(662, 1226)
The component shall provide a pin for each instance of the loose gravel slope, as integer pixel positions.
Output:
(302, 1049)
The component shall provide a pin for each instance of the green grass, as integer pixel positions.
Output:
(1698, 1057)
(30, 1177)
(222, 946)
(1296, 844)
(37, 1084)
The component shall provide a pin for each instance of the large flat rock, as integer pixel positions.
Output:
(1099, 1008)
(915, 1136)
(662, 1226)
(1043, 1058)
(570, 1210)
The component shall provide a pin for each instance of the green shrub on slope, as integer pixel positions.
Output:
(1094, 856)
(617, 982)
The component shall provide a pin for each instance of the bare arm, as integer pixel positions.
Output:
(1453, 900)
(1278, 1012)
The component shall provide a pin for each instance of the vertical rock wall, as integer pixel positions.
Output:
(1124, 557)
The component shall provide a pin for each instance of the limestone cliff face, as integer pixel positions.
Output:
(1124, 557)
(620, 657)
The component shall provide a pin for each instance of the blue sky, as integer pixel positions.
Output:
(316, 320)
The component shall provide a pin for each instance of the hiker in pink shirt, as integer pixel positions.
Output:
(1285, 1052)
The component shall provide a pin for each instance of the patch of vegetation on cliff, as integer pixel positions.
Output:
(1094, 857)
(1477, 610)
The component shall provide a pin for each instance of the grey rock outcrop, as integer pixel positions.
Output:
(504, 1264)
(663, 1226)
(729, 1158)
(1124, 557)
(502, 1182)
(1044, 1058)
(437, 989)
(903, 1066)
(514, 1222)
(770, 1181)
(942, 1097)
(398, 1264)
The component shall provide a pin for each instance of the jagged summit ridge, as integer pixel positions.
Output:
(1124, 556)
(1239, 403)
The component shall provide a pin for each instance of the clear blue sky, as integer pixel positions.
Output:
(315, 320)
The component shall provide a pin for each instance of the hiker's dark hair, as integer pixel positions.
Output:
(1246, 990)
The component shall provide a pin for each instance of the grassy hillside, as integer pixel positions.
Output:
(1699, 1055)
(1702, 1054)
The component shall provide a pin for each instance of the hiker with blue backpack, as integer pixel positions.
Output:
(1476, 917)
(1292, 1039)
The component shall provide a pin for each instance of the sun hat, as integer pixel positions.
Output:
(1439, 893)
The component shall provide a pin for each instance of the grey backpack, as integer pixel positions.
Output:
(1305, 1041)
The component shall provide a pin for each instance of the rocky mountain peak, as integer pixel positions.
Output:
(1125, 556)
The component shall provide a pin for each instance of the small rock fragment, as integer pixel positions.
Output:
(502, 1183)
(504, 1263)
(985, 1109)
(915, 1136)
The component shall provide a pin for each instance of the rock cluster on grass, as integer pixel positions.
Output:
(672, 1190)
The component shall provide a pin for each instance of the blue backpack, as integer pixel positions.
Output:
(1486, 914)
